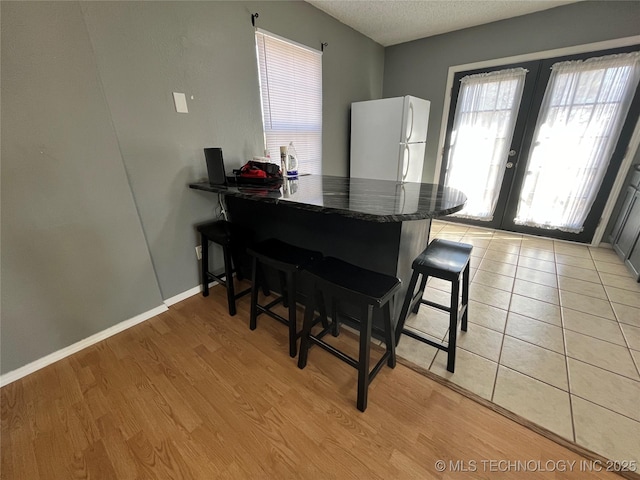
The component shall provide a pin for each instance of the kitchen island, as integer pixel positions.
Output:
(376, 224)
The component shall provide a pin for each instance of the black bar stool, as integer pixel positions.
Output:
(343, 282)
(287, 260)
(233, 239)
(446, 260)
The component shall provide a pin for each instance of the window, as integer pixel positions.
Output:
(291, 92)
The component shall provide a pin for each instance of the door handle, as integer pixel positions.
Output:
(405, 166)
(509, 164)
(409, 133)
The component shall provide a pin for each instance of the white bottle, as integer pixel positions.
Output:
(283, 160)
(292, 161)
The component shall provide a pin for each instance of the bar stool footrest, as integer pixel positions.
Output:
(221, 279)
(439, 306)
(344, 357)
(461, 311)
(334, 351)
(374, 329)
(274, 315)
(422, 339)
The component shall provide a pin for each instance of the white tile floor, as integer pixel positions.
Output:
(554, 336)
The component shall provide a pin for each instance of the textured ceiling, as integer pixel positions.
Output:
(390, 22)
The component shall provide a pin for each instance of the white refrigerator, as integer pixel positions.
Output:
(388, 138)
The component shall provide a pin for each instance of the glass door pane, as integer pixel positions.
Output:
(583, 111)
(483, 125)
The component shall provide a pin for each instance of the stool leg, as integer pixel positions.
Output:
(293, 327)
(453, 326)
(406, 304)
(363, 360)
(335, 330)
(306, 330)
(389, 337)
(262, 280)
(323, 318)
(322, 308)
(235, 257)
(228, 275)
(204, 264)
(465, 296)
(254, 294)
(284, 289)
(423, 285)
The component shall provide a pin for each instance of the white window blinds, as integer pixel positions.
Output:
(291, 91)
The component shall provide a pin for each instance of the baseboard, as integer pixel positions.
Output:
(18, 373)
(184, 295)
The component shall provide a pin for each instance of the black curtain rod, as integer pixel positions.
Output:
(256, 15)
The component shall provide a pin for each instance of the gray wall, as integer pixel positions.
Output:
(147, 50)
(420, 67)
(74, 258)
(97, 219)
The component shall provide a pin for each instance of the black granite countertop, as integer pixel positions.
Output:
(369, 200)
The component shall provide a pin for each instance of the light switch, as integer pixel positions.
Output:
(181, 102)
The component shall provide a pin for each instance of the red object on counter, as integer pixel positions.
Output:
(249, 171)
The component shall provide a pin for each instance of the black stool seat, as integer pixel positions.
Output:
(445, 257)
(220, 232)
(446, 260)
(345, 283)
(372, 286)
(233, 239)
(283, 256)
(287, 260)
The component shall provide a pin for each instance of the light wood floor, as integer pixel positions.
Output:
(193, 393)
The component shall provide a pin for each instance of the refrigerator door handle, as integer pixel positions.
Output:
(409, 131)
(406, 159)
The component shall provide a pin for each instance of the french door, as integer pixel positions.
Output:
(536, 146)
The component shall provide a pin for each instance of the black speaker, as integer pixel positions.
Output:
(215, 166)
